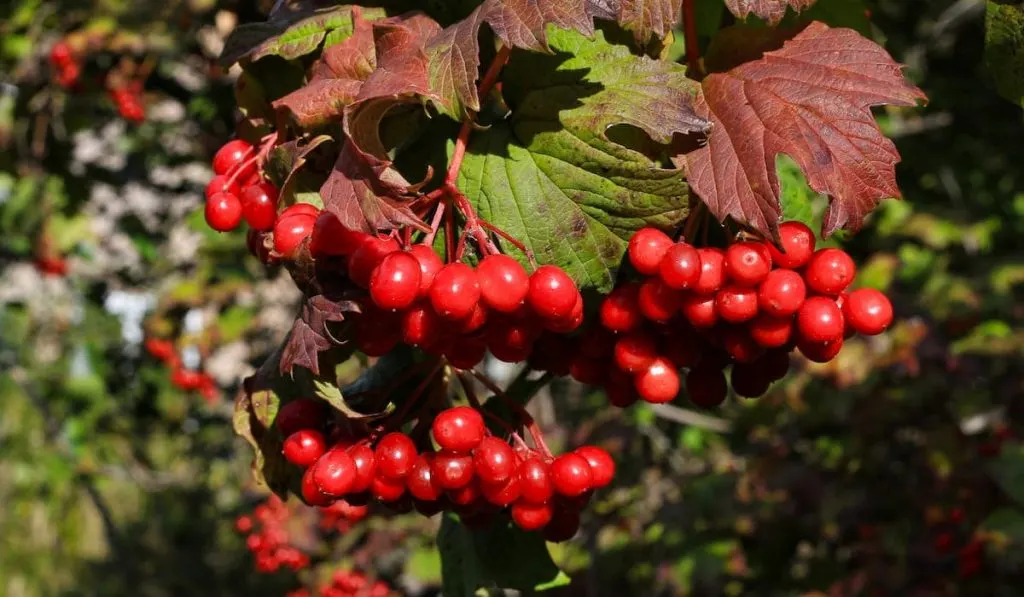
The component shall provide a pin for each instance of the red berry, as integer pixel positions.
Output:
(867, 311)
(455, 291)
(475, 321)
(451, 470)
(335, 472)
(304, 447)
(771, 332)
(503, 283)
(739, 344)
(748, 381)
(430, 264)
(680, 268)
(565, 523)
(699, 310)
(395, 282)
(223, 212)
(647, 247)
(635, 352)
(570, 323)
(552, 293)
(366, 467)
(797, 240)
(311, 494)
(819, 352)
(465, 496)
(421, 326)
(706, 386)
(494, 461)
(588, 371)
(459, 429)
(571, 475)
(658, 302)
(230, 155)
(510, 338)
(620, 310)
(531, 517)
(503, 493)
(221, 184)
(395, 455)
(387, 490)
(830, 271)
(294, 226)
(747, 263)
(331, 238)
(420, 482)
(535, 477)
(304, 413)
(736, 304)
(782, 293)
(601, 465)
(775, 364)
(659, 383)
(367, 257)
(466, 352)
(712, 271)
(61, 53)
(820, 320)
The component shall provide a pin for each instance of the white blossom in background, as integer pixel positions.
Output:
(130, 307)
(228, 363)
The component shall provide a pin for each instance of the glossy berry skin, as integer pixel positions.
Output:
(699, 310)
(740, 346)
(647, 248)
(421, 326)
(588, 371)
(222, 184)
(736, 304)
(748, 381)
(311, 494)
(535, 478)
(602, 467)
(331, 238)
(451, 470)
(395, 283)
(819, 352)
(420, 481)
(712, 271)
(820, 320)
(387, 490)
(797, 240)
(223, 212)
(782, 293)
(571, 475)
(230, 155)
(366, 467)
(494, 461)
(304, 447)
(395, 455)
(680, 268)
(504, 493)
(552, 293)
(293, 226)
(466, 353)
(367, 257)
(706, 386)
(659, 383)
(304, 413)
(455, 291)
(867, 311)
(635, 352)
(747, 263)
(459, 429)
(259, 206)
(658, 302)
(531, 517)
(620, 310)
(335, 472)
(830, 272)
(771, 332)
(570, 323)
(430, 263)
(503, 283)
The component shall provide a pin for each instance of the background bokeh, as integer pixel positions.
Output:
(897, 469)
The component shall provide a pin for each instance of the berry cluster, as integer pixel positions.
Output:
(341, 515)
(267, 537)
(237, 191)
(474, 473)
(65, 63)
(183, 378)
(705, 309)
(349, 583)
(127, 100)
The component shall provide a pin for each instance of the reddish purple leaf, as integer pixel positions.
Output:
(771, 11)
(310, 336)
(810, 100)
(649, 17)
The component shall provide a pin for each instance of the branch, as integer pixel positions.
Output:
(694, 69)
(692, 418)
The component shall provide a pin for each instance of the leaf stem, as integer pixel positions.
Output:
(694, 69)
(525, 417)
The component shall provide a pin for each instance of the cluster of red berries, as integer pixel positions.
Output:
(184, 379)
(349, 583)
(341, 515)
(65, 64)
(267, 537)
(953, 535)
(474, 473)
(237, 191)
(128, 102)
(704, 309)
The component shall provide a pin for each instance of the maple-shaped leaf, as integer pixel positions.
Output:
(649, 17)
(771, 11)
(810, 100)
(309, 335)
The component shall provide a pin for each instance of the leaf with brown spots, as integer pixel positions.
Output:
(771, 11)
(810, 100)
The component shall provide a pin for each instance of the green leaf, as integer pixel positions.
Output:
(552, 177)
(500, 556)
(1004, 48)
(331, 394)
(1008, 471)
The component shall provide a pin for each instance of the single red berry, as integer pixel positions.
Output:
(451, 470)
(658, 302)
(819, 352)
(222, 184)
(736, 304)
(647, 248)
(475, 321)
(304, 413)
(535, 477)
(467, 496)
(565, 523)
(712, 271)
(680, 268)
(782, 293)
(161, 349)
(377, 335)
(820, 320)
(331, 238)
(304, 447)
(494, 461)
(367, 257)
(699, 310)
(387, 490)
(420, 482)
(292, 227)
(503, 493)
(706, 386)
(570, 323)
(508, 335)
(830, 271)
(740, 346)
(366, 467)
(659, 383)
(259, 206)
(223, 212)
(684, 351)
(421, 326)
(635, 352)
(503, 282)
(455, 291)
(747, 263)
(335, 472)
(61, 54)
(395, 455)
(531, 517)
(749, 381)
(243, 524)
(311, 494)
(797, 240)
(867, 311)
(588, 371)
(230, 155)
(459, 429)
(68, 75)
(775, 364)
(552, 293)
(430, 264)
(769, 331)
(601, 465)
(571, 475)
(620, 310)
(395, 282)
(466, 352)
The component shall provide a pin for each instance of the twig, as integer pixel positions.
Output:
(689, 417)
(527, 418)
(694, 69)
(467, 386)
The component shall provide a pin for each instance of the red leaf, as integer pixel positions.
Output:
(810, 100)
(649, 17)
(310, 336)
(771, 11)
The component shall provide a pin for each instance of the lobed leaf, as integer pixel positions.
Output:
(310, 335)
(771, 11)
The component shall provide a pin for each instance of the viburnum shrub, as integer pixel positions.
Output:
(601, 213)
(69, 59)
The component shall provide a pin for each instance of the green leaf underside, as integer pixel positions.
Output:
(551, 177)
(255, 409)
(1004, 48)
(500, 556)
